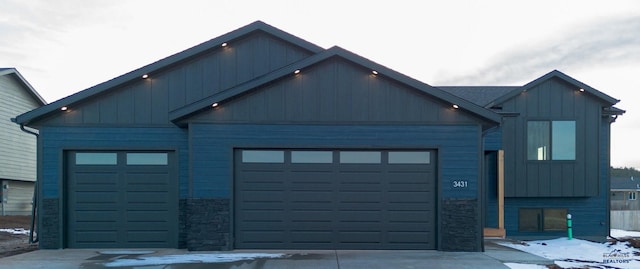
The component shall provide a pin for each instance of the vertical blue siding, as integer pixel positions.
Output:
(590, 214)
(212, 149)
(57, 139)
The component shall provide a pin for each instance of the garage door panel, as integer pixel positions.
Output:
(97, 236)
(95, 215)
(336, 206)
(310, 196)
(261, 196)
(96, 197)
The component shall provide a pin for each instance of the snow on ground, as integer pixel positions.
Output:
(15, 231)
(524, 266)
(577, 253)
(191, 258)
(623, 234)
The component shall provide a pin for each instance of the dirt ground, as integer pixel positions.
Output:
(13, 244)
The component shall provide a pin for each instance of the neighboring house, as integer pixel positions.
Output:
(258, 139)
(17, 148)
(625, 205)
(549, 157)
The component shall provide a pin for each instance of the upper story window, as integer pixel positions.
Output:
(551, 140)
(632, 195)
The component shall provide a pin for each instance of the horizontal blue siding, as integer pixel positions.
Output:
(212, 149)
(57, 139)
(590, 217)
(492, 139)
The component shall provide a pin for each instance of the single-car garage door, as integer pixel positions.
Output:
(335, 199)
(121, 199)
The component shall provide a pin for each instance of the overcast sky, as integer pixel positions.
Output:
(65, 46)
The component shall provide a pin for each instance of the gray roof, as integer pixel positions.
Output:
(480, 95)
(14, 72)
(625, 183)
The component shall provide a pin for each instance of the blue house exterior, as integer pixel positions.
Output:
(260, 140)
(567, 172)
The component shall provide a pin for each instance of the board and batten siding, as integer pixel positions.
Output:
(56, 140)
(212, 148)
(18, 154)
(590, 213)
(336, 91)
(552, 100)
(148, 101)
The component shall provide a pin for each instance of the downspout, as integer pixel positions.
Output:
(34, 201)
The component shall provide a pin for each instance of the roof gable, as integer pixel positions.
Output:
(480, 95)
(183, 113)
(165, 63)
(555, 74)
(32, 92)
(625, 183)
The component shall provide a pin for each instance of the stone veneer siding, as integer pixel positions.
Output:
(207, 224)
(460, 225)
(49, 233)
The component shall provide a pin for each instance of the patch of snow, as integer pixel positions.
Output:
(191, 258)
(126, 252)
(15, 231)
(622, 233)
(577, 253)
(524, 266)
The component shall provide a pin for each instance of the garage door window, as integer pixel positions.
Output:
(311, 157)
(147, 159)
(360, 156)
(409, 157)
(96, 158)
(263, 156)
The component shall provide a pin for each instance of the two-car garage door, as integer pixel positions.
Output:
(121, 199)
(335, 199)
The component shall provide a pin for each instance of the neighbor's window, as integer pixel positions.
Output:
(551, 140)
(632, 195)
(542, 219)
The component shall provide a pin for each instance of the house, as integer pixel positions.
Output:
(258, 139)
(18, 149)
(625, 206)
(549, 157)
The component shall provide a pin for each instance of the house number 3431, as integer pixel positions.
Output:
(460, 184)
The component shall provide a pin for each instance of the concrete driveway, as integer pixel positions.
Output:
(494, 257)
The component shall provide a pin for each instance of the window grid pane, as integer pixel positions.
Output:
(538, 140)
(360, 157)
(563, 140)
(409, 157)
(147, 159)
(263, 156)
(96, 158)
(311, 157)
(555, 219)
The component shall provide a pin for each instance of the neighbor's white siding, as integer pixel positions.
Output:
(17, 148)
